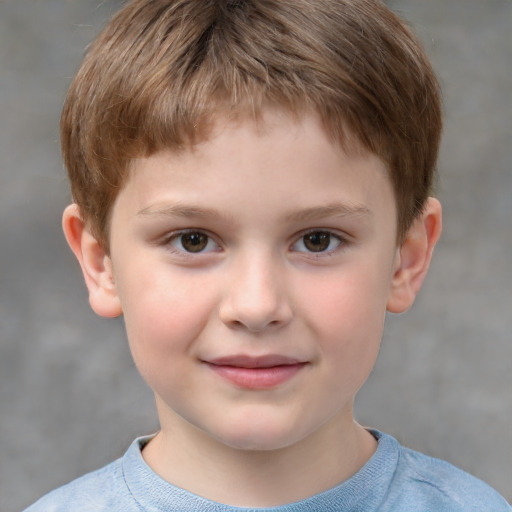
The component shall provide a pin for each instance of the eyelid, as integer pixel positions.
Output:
(175, 235)
(343, 241)
(166, 241)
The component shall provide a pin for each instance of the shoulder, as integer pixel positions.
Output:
(438, 485)
(98, 491)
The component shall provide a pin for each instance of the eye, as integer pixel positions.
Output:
(317, 242)
(192, 242)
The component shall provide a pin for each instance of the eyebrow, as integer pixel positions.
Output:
(308, 214)
(330, 210)
(180, 210)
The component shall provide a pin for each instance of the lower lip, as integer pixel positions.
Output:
(257, 378)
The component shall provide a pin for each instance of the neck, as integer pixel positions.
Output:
(249, 478)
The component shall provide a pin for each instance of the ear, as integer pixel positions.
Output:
(96, 264)
(414, 256)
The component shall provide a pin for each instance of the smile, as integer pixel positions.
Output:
(256, 372)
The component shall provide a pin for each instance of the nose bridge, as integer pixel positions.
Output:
(256, 296)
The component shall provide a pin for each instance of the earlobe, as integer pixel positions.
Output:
(95, 263)
(414, 256)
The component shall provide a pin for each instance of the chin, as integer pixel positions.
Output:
(258, 436)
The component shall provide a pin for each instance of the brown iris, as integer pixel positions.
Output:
(194, 241)
(318, 241)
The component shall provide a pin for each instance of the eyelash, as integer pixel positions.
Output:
(209, 241)
(341, 241)
(178, 237)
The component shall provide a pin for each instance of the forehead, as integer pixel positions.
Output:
(271, 168)
(274, 128)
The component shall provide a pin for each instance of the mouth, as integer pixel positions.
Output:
(262, 372)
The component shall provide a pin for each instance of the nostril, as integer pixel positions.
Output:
(237, 324)
(255, 326)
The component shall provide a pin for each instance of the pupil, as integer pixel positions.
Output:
(194, 242)
(317, 242)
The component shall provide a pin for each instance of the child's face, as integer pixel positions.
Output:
(254, 273)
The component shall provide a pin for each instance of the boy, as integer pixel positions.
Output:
(252, 188)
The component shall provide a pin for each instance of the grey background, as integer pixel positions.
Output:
(70, 397)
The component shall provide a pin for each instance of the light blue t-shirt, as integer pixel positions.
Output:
(395, 479)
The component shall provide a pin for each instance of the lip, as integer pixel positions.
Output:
(261, 372)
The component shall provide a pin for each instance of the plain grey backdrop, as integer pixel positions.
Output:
(70, 397)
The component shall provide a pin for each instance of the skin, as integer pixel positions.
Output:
(290, 257)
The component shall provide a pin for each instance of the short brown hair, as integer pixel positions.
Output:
(162, 69)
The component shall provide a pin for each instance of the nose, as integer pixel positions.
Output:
(256, 295)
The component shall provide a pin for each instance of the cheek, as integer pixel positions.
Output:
(346, 314)
(353, 300)
(163, 317)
